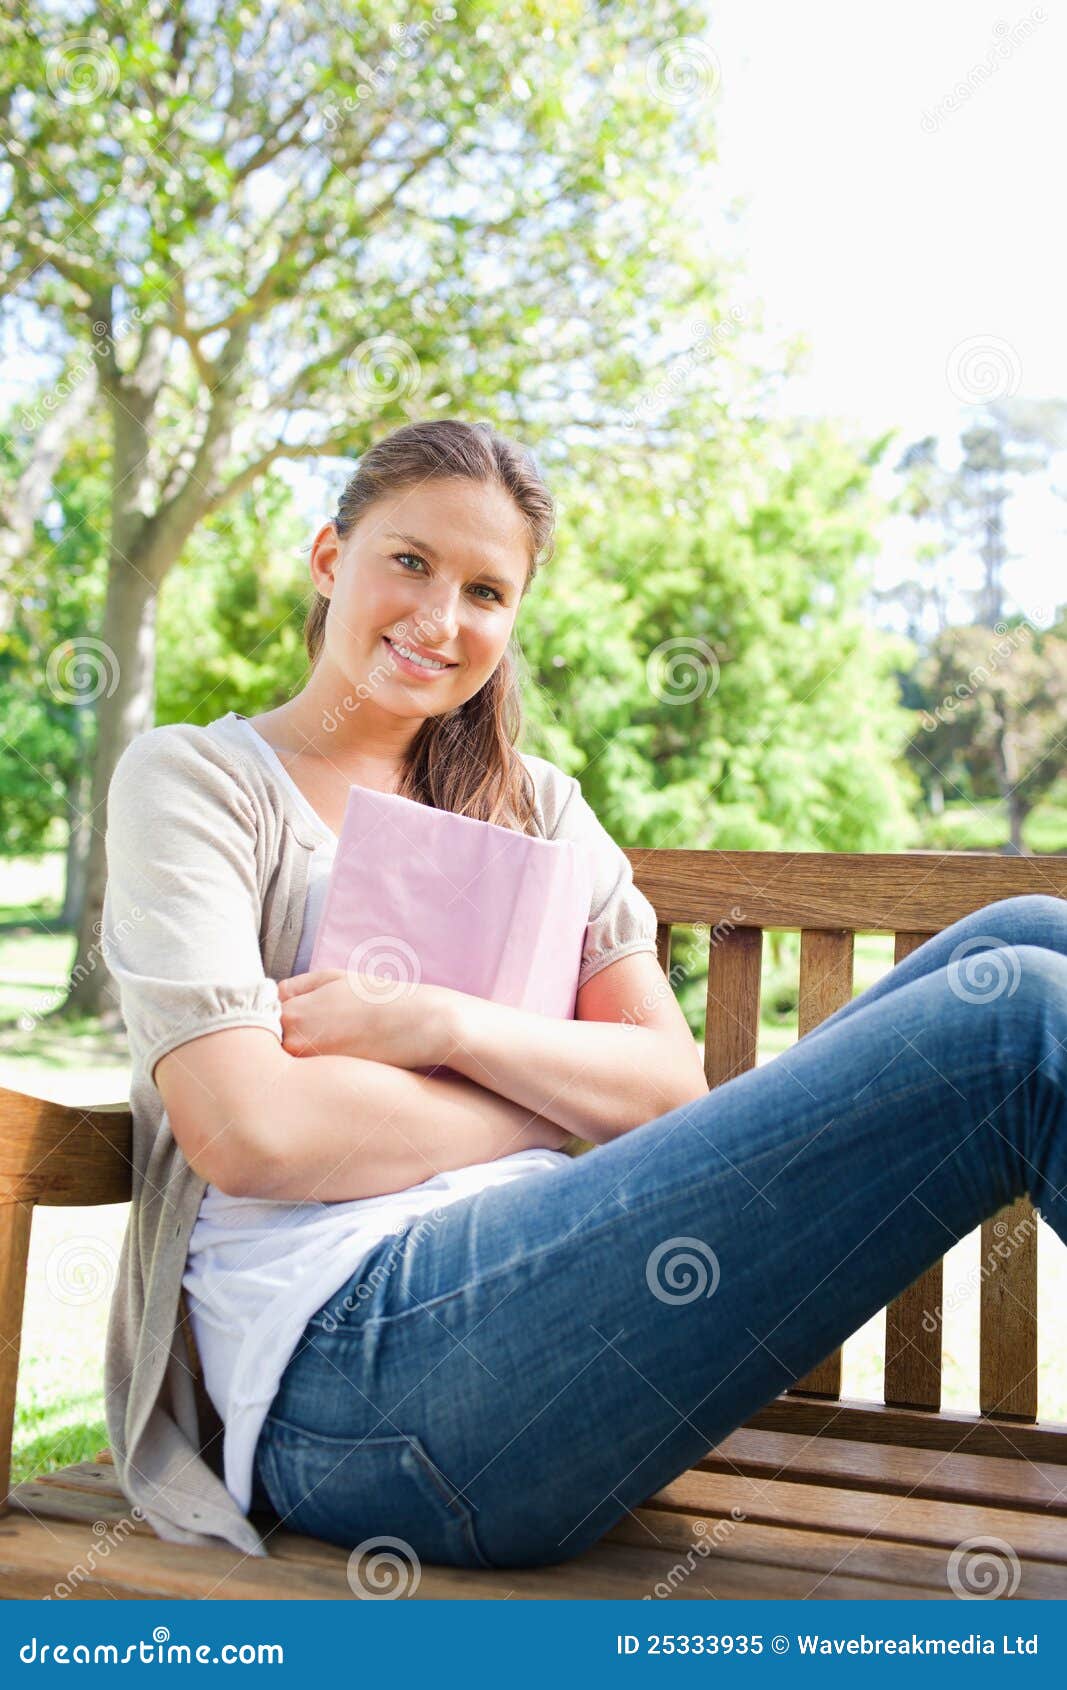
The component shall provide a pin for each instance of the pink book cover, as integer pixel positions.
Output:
(421, 895)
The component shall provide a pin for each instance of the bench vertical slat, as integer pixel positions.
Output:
(913, 1321)
(731, 1027)
(826, 962)
(663, 946)
(15, 1219)
(1007, 1334)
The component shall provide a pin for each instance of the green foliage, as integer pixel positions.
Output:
(997, 705)
(47, 733)
(230, 628)
(706, 671)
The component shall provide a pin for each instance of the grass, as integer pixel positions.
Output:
(74, 1252)
(982, 827)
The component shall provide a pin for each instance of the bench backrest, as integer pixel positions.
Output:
(55, 1153)
(829, 898)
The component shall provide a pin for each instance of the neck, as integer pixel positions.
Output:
(327, 719)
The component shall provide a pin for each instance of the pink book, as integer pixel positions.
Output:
(418, 894)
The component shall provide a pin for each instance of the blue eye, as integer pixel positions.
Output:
(401, 558)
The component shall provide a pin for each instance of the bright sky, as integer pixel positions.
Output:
(891, 229)
(918, 247)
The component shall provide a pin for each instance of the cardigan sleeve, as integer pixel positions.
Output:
(621, 918)
(182, 908)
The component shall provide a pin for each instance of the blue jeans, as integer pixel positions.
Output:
(498, 1385)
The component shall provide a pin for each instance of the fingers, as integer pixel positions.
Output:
(298, 983)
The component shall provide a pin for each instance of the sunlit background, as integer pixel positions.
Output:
(882, 222)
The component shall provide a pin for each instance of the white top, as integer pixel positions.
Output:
(258, 1270)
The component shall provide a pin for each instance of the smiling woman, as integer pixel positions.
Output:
(419, 578)
(416, 1316)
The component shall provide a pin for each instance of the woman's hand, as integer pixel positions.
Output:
(334, 1013)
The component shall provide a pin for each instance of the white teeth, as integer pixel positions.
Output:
(423, 662)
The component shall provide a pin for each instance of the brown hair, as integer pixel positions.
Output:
(464, 760)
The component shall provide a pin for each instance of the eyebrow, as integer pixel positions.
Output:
(423, 546)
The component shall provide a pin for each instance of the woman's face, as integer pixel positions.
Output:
(439, 568)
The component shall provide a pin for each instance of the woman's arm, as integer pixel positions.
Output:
(627, 1058)
(258, 1122)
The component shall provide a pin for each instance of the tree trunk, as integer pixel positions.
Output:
(78, 837)
(1017, 814)
(125, 708)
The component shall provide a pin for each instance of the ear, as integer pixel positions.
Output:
(325, 559)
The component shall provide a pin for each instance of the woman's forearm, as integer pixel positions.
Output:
(341, 1127)
(596, 1078)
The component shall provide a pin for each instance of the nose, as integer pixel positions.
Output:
(438, 623)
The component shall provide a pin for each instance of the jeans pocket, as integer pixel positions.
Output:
(376, 1494)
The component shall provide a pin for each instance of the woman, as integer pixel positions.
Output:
(420, 1321)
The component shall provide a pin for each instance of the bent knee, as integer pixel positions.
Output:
(1030, 974)
(1037, 915)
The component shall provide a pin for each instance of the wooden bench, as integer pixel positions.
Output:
(815, 1496)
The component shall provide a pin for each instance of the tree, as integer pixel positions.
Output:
(700, 654)
(1002, 702)
(283, 231)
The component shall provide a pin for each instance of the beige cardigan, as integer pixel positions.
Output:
(208, 856)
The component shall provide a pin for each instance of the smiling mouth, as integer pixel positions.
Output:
(410, 666)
